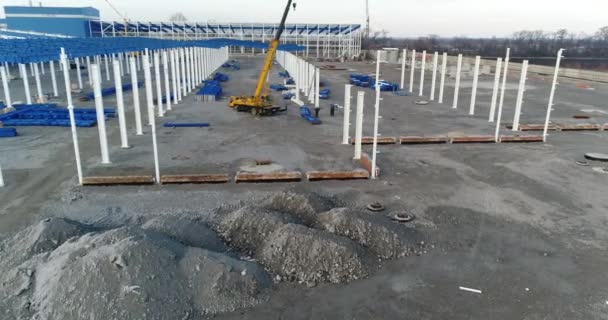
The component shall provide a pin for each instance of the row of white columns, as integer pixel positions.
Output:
(305, 75)
(199, 63)
(500, 68)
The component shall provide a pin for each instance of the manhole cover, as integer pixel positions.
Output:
(421, 102)
(597, 156)
(582, 163)
(403, 217)
(375, 206)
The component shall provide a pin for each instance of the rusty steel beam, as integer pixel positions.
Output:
(381, 140)
(605, 127)
(473, 139)
(194, 178)
(337, 175)
(536, 127)
(521, 139)
(366, 163)
(580, 127)
(117, 180)
(423, 140)
(292, 176)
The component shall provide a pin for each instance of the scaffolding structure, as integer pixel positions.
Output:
(320, 40)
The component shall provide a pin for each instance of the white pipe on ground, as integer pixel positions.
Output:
(101, 118)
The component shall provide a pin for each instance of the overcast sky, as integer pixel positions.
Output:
(409, 18)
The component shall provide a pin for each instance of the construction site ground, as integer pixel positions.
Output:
(523, 223)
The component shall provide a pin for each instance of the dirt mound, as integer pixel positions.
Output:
(382, 238)
(311, 256)
(128, 273)
(303, 207)
(190, 232)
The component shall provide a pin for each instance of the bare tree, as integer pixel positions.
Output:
(602, 34)
(178, 17)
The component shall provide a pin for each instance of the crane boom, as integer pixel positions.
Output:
(260, 102)
(272, 49)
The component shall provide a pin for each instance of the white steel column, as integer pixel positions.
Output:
(88, 59)
(520, 94)
(317, 86)
(101, 121)
(188, 70)
(412, 70)
(174, 77)
(149, 89)
(7, 93)
(66, 75)
(359, 124)
(495, 90)
(159, 91)
(444, 66)
(422, 73)
(26, 83)
(183, 82)
(502, 95)
(78, 73)
(457, 85)
(404, 56)
(552, 94)
(346, 125)
(40, 97)
(107, 67)
(135, 91)
(475, 82)
(166, 76)
(434, 76)
(376, 113)
(1, 178)
(120, 103)
(178, 76)
(155, 149)
(53, 78)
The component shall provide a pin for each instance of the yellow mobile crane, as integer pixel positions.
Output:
(261, 103)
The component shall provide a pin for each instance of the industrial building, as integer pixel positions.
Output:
(320, 40)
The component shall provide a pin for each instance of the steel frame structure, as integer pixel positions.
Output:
(320, 40)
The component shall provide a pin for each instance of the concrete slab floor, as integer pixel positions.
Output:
(523, 223)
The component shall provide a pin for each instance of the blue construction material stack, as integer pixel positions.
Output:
(361, 80)
(324, 94)
(8, 132)
(388, 86)
(288, 95)
(211, 91)
(278, 87)
(110, 91)
(290, 81)
(231, 65)
(284, 74)
(50, 115)
(307, 115)
(220, 77)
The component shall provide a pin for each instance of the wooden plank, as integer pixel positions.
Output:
(381, 140)
(423, 140)
(473, 139)
(580, 127)
(194, 178)
(521, 139)
(337, 175)
(117, 180)
(292, 176)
